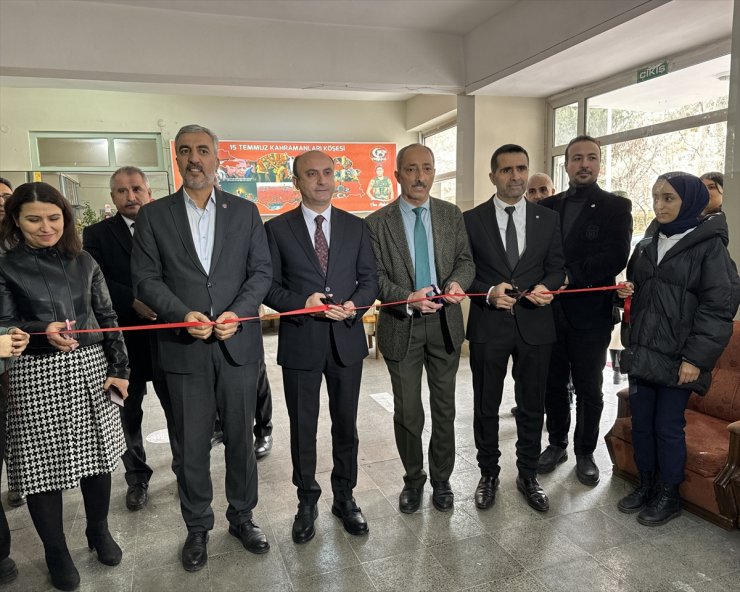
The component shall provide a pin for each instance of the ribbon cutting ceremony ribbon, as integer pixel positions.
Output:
(315, 309)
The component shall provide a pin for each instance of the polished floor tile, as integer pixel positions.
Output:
(582, 544)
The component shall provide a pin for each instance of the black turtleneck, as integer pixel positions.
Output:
(575, 199)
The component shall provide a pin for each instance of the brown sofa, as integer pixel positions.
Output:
(712, 485)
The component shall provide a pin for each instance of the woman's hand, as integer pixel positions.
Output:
(20, 340)
(62, 341)
(687, 373)
(626, 289)
(120, 383)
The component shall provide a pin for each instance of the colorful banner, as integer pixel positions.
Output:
(262, 173)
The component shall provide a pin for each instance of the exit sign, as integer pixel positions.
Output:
(652, 72)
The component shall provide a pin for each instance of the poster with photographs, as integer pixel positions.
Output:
(262, 173)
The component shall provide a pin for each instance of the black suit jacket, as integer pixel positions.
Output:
(110, 243)
(168, 276)
(351, 275)
(596, 251)
(541, 262)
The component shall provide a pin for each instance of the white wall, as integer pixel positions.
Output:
(506, 120)
(24, 110)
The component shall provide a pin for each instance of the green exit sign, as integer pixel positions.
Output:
(652, 72)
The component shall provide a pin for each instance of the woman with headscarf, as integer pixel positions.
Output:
(682, 282)
(63, 429)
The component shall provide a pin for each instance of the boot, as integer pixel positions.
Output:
(64, 574)
(100, 539)
(665, 506)
(642, 494)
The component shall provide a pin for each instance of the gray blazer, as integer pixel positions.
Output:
(168, 276)
(396, 276)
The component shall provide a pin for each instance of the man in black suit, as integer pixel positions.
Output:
(516, 247)
(201, 255)
(597, 228)
(110, 243)
(321, 254)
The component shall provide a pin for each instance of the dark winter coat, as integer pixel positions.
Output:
(683, 308)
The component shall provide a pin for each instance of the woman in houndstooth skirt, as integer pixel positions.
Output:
(63, 428)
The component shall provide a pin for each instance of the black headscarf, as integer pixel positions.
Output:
(694, 198)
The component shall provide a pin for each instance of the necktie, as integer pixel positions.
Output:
(132, 228)
(512, 246)
(421, 252)
(320, 244)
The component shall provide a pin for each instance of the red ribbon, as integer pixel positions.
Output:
(321, 308)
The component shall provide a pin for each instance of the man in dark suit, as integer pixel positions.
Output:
(516, 247)
(110, 243)
(321, 254)
(201, 255)
(421, 246)
(597, 228)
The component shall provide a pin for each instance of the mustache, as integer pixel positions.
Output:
(419, 184)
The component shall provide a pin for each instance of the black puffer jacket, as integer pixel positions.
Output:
(683, 308)
(39, 286)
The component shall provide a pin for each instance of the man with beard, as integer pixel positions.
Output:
(515, 245)
(200, 255)
(110, 242)
(421, 247)
(597, 228)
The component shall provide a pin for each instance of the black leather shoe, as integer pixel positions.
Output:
(137, 496)
(217, 438)
(251, 536)
(262, 446)
(586, 469)
(640, 496)
(410, 499)
(665, 506)
(303, 528)
(533, 493)
(442, 496)
(351, 516)
(195, 551)
(485, 493)
(551, 457)
(8, 571)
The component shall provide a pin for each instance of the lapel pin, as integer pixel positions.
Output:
(592, 205)
(537, 217)
(223, 206)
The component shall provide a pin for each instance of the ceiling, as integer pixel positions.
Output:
(455, 17)
(666, 30)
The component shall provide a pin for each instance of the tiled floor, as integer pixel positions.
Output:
(582, 544)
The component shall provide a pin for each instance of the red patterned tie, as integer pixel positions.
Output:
(320, 244)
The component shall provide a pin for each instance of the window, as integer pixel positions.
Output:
(89, 152)
(443, 143)
(676, 121)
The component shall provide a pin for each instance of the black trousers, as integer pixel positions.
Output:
(4, 530)
(302, 398)
(580, 354)
(134, 459)
(658, 422)
(194, 399)
(263, 412)
(489, 362)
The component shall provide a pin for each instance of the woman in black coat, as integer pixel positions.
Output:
(684, 299)
(63, 430)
